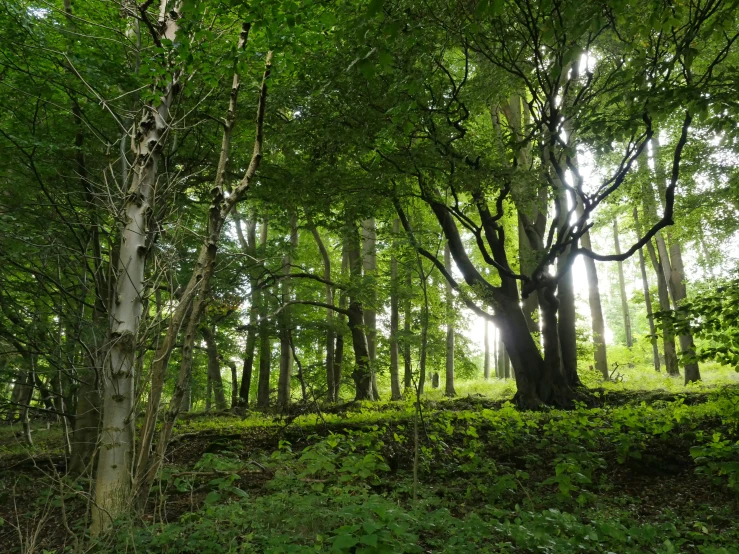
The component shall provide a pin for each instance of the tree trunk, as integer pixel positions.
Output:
(664, 305)
(648, 305)
(285, 324)
(220, 208)
(680, 293)
(622, 289)
(249, 246)
(486, 359)
(214, 367)
(369, 264)
(113, 479)
(86, 423)
(566, 315)
(596, 310)
(265, 340)
(339, 351)
(395, 393)
(331, 387)
(362, 374)
(449, 386)
(407, 315)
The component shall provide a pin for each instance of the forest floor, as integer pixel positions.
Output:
(648, 471)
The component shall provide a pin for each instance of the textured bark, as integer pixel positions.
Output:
(285, 324)
(214, 367)
(395, 393)
(369, 266)
(113, 479)
(330, 334)
(449, 375)
(648, 304)
(622, 289)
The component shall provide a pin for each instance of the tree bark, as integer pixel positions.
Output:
(285, 324)
(596, 309)
(330, 334)
(622, 289)
(214, 367)
(265, 340)
(248, 244)
(362, 374)
(369, 265)
(680, 293)
(648, 304)
(113, 479)
(395, 393)
(407, 315)
(449, 385)
(339, 350)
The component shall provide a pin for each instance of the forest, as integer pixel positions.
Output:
(369, 276)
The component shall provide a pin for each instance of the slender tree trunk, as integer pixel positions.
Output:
(664, 304)
(673, 267)
(113, 479)
(214, 367)
(407, 315)
(339, 350)
(27, 399)
(596, 310)
(265, 340)
(395, 393)
(648, 304)
(285, 324)
(449, 386)
(566, 315)
(362, 374)
(622, 289)
(369, 263)
(330, 352)
(249, 246)
(680, 293)
(486, 359)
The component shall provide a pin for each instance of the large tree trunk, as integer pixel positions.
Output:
(648, 305)
(622, 289)
(369, 265)
(113, 479)
(395, 393)
(214, 367)
(330, 385)
(566, 320)
(449, 386)
(285, 324)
